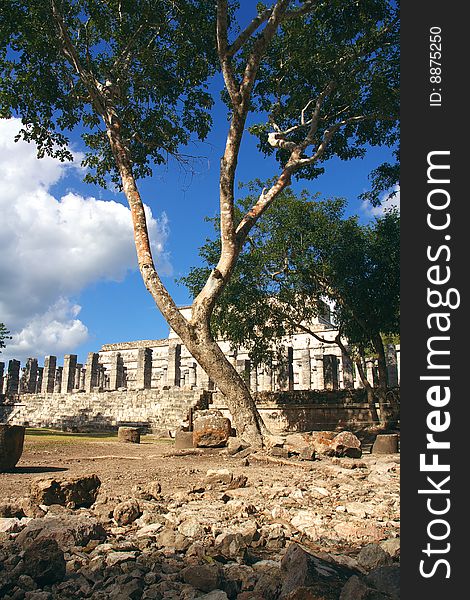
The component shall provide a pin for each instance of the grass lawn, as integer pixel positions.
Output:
(50, 436)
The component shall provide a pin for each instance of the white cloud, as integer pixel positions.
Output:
(51, 248)
(57, 328)
(387, 203)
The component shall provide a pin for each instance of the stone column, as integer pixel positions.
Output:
(267, 379)
(81, 386)
(348, 372)
(58, 380)
(30, 375)
(143, 378)
(286, 370)
(68, 373)
(116, 372)
(243, 367)
(330, 364)
(91, 372)
(254, 379)
(13, 377)
(370, 370)
(78, 376)
(305, 370)
(319, 372)
(48, 375)
(38, 387)
(174, 364)
(2, 372)
(392, 365)
(202, 379)
(192, 375)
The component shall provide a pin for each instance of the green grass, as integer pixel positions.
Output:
(67, 437)
(47, 436)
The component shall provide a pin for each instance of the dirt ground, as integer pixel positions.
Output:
(121, 466)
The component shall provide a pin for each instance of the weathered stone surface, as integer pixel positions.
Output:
(321, 442)
(75, 530)
(392, 547)
(215, 595)
(357, 589)
(386, 580)
(183, 439)
(211, 429)
(11, 445)
(148, 491)
(11, 509)
(10, 525)
(127, 512)
(130, 435)
(373, 556)
(74, 492)
(307, 453)
(346, 444)
(203, 577)
(44, 561)
(303, 569)
(385, 444)
(219, 476)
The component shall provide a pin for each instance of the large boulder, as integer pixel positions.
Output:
(11, 446)
(203, 577)
(346, 444)
(75, 530)
(301, 569)
(321, 442)
(44, 561)
(73, 492)
(127, 512)
(210, 429)
(331, 444)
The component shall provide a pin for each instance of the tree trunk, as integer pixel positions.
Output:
(369, 390)
(195, 334)
(386, 414)
(246, 418)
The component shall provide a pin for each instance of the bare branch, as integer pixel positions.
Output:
(327, 136)
(70, 52)
(222, 50)
(259, 48)
(249, 31)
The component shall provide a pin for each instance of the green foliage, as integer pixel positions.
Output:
(302, 252)
(152, 58)
(353, 45)
(4, 335)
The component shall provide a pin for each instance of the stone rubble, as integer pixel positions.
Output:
(329, 530)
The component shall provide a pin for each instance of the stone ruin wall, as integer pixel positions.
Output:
(153, 383)
(157, 411)
(160, 364)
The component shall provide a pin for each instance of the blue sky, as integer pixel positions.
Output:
(75, 287)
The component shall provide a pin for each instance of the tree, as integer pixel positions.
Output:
(131, 74)
(4, 335)
(300, 254)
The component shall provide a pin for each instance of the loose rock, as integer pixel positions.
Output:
(74, 492)
(211, 429)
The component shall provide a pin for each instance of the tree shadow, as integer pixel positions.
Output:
(38, 469)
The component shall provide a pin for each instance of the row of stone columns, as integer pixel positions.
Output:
(316, 371)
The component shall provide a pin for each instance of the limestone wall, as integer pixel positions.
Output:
(153, 410)
(310, 410)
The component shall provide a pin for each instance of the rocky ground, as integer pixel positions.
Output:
(87, 518)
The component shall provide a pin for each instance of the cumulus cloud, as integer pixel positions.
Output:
(392, 201)
(52, 247)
